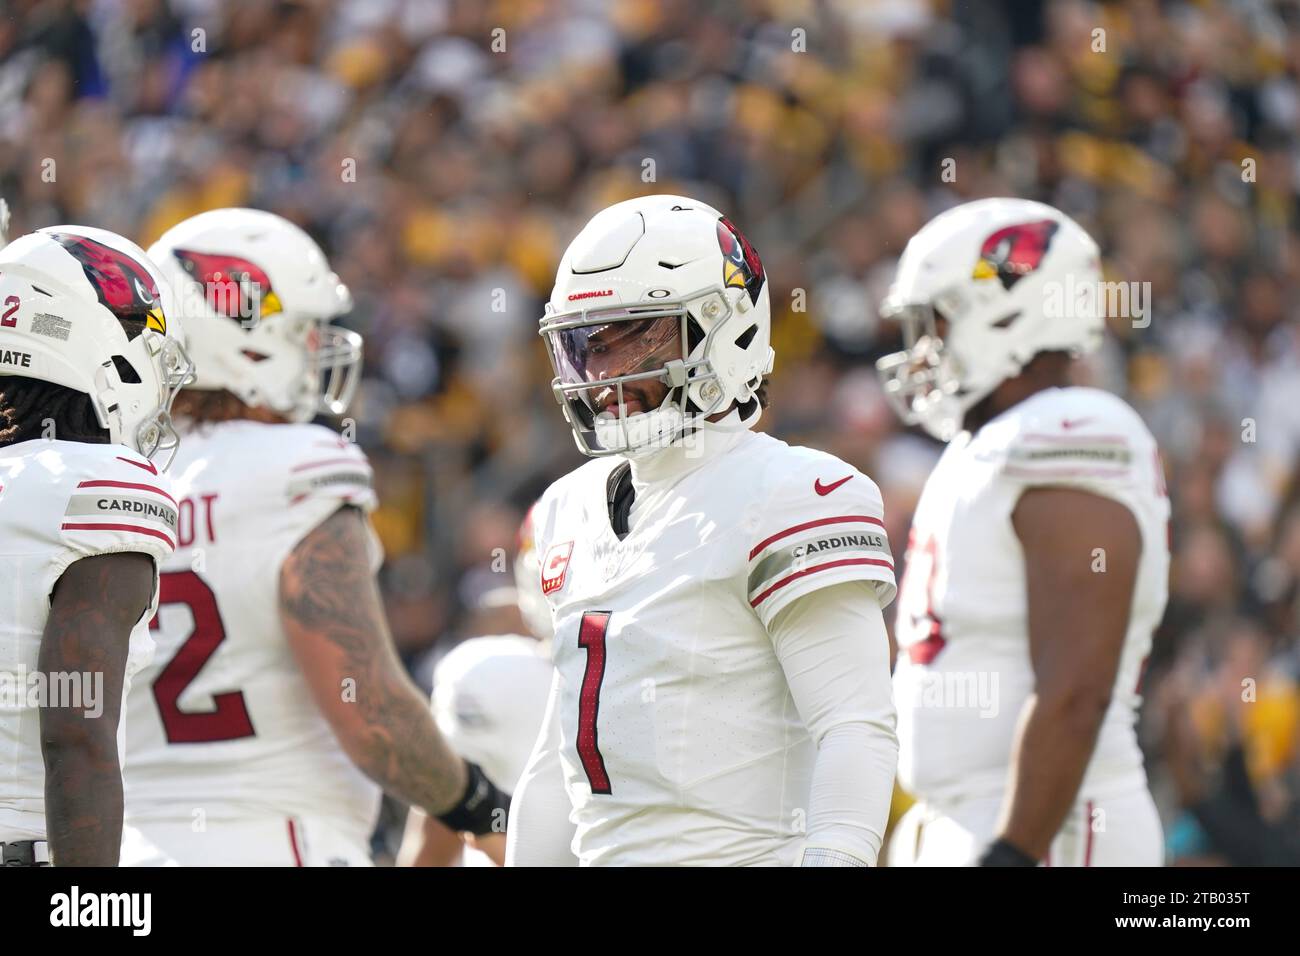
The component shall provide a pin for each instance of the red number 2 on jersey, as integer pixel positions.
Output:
(591, 637)
(229, 719)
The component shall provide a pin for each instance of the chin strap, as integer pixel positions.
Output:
(619, 494)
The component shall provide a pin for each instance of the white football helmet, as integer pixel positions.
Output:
(258, 296)
(1011, 278)
(661, 289)
(85, 308)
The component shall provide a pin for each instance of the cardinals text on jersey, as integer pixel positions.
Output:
(680, 743)
(61, 501)
(963, 672)
(223, 721)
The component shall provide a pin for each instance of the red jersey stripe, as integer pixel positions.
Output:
(149, 467)
(1087, 846)
(137, 529)
(105, 483)
(1075, 439)
(846, 562)
(329, 461)
(293, 843)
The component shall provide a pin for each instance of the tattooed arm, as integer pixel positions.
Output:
(93, 608)
(334, 620)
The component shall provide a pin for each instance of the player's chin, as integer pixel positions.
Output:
(634, 403)
(631, 406)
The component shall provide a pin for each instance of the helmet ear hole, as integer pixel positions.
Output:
(253, 356)
(125, 370)
(747, 336)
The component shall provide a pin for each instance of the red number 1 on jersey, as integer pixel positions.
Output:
(591, 637)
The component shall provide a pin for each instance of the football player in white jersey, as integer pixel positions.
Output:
(721, 693)
(1038, 557)
(276, 707)
(489, 694)
(89, 364)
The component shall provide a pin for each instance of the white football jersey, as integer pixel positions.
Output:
(489, 695)
(223, 721)
(61, 501)
(679, 739)
(963, 673)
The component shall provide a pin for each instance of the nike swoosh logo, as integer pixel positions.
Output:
(151, 467)
(1068, 423)
(827, 489)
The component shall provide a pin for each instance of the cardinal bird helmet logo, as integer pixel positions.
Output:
(1013, 252)
(123, 285)
(235, 287)
(741, 267)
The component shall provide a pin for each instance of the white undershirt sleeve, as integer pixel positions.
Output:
(539, 832)
(834, 649)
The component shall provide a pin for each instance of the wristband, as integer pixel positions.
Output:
(476, 812)
(1002, 853)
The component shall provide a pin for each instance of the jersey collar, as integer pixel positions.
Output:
(690, 452)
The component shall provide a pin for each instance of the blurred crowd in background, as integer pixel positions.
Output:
(443, 152)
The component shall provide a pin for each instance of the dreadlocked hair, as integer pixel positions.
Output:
(28, 405)
(202, 407)
(211, 406)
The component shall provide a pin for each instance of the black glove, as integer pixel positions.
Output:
(476, 812)
(1002, 853)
